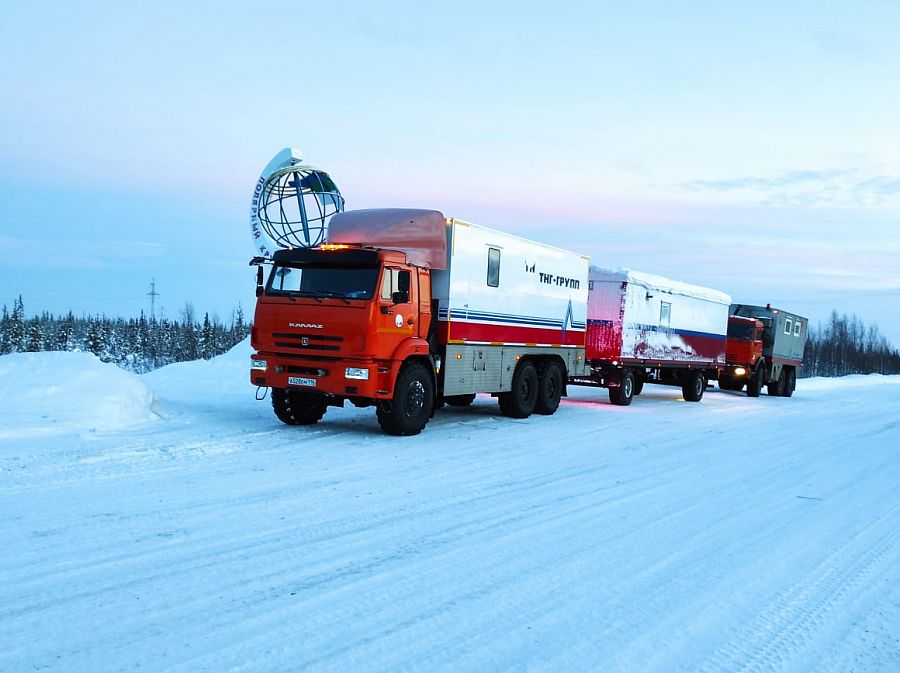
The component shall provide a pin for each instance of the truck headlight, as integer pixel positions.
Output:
(356, 373)
(258, 364)
(739, 371)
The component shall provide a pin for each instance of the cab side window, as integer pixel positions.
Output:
(394, 281)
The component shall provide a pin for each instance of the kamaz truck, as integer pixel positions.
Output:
(405, 310)
(764, 350)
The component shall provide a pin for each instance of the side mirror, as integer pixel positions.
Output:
(401, 297)
(259, 281)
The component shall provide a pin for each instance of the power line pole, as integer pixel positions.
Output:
(153, 294)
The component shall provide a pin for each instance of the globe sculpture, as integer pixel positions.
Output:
(292, 204)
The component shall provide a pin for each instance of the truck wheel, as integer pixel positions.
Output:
(638, 385)
(623, 395)
(411, 405)
(693, 386)
(755, 382)
(790, 383)
(460, 400)
(776, 389)
(727, 383)
(521, 400)
(549, 390)
(294, 407)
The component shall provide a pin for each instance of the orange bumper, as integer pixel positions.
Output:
(373, 379)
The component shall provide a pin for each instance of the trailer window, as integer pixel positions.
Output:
(493, 267)
(665, 314)
(788, 326)
(797, 327)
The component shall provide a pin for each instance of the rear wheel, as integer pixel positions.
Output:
(693, 386)
(623, 395)
(521, 400)
(460, 400)
(776, 389)
(409, 410)
(549, 389)
(790, 383)
(295, 407)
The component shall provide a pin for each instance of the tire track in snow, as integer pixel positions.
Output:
(775, 638)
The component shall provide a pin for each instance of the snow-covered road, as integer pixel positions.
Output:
(730, 535)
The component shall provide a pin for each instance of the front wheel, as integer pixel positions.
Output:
(756, 382)
(693, 386)
(295, 407)
(624, 393)
(522, 399)
(409, 410)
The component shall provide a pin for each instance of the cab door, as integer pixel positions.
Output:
(398, 315)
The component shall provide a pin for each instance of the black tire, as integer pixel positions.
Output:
(728, 383)
(412, 404)
(755, 383)
(791, 383)
(693, 386)
(638, 385)
(623, 394)
(776, 389)
(522, 399)
(295, 407)
(549, 390)
(460, 400)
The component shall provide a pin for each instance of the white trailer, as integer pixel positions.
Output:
(512, 316)
(647, 328)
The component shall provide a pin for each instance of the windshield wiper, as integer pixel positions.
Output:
(336, 295)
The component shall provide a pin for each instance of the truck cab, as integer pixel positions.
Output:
(335, 323)
(744, 355)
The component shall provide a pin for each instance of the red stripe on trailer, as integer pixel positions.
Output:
(470, 331)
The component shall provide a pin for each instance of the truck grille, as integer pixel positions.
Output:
(307, 342)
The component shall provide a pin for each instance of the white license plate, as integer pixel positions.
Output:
(300, 381)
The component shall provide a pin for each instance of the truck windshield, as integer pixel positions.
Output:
(343, 282)
(742, 331)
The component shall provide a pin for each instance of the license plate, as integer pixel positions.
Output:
(300, 381)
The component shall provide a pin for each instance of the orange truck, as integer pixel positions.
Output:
(764, 349)
(406, 310)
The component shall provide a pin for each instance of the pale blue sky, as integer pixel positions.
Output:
(755, 149)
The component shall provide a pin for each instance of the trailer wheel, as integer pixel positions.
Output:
(776, 389)
(521, 400)
(549, 390)
(409, 410)
(460, 400)
(755, 382)
(638, 385)
(791, 383)
(294, 407)
(693, 386)
(624, 393)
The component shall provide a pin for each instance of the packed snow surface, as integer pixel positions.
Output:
(198, 533)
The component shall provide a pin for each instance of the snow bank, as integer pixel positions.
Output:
(50, 392)
(226, 376)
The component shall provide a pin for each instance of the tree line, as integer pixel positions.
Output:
(844, 346)
(136, 344)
